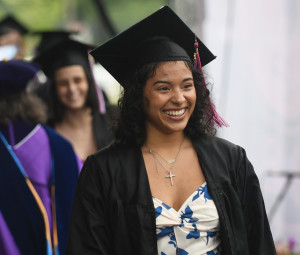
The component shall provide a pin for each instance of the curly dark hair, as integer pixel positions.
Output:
(57, 108)
(130, 125)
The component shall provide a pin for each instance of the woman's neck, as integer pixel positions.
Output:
(77, 128)
(164, 143)
(77, 118)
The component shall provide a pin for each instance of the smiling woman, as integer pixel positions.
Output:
(71, 86)
(74, 104)
(169, 98)
(167, 185)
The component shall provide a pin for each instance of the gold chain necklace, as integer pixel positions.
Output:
(171, 161)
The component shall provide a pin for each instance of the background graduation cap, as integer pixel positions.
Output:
(10, 23)
(51, 38)
(66, 52)
(15, 75)
(119, 54)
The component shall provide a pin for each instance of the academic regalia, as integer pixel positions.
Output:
(36, 152)
(9, 23)
(10, 48)
(49, 38)
(70, 53)
(39, 171)
(113, 212)
(100, 127)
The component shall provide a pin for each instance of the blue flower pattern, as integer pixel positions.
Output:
(193, 234)
(210, 235)
(181, 230)
(173, 240)
(202, 190)
(182, 252)
(165, 231)
(167, 207)
(188, 214)
(158, 211)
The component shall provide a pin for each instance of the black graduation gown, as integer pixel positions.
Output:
(113, 212)
(101, 128)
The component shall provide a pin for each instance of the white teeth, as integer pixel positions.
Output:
(175, 113)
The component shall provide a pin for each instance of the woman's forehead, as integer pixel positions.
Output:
(170, 68)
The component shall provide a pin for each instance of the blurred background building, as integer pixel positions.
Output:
(255, 77)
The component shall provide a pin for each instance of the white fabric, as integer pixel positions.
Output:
(193, 229)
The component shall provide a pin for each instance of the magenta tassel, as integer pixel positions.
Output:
(197, 63)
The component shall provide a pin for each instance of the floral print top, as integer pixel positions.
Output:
(193, 229)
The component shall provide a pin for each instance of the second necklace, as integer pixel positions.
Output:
(169, 162)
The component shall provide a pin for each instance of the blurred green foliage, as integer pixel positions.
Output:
(35, 14)
(63, 14)
(126, 13)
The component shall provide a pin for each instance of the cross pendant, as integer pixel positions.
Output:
(171, 177)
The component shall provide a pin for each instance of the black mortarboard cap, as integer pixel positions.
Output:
(51, 38)
(162, 36)
(9, 22)
(65, 53)
(14, 76)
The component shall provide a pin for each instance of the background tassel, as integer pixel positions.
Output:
(197, 63)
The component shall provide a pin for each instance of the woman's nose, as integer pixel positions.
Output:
(71, 86)
(178, 97)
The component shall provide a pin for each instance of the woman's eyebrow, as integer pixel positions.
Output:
(188, 79)
(160, 81)
(167, 82)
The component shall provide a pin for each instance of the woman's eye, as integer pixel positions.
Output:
(163, 88)
(186, 86)
(77, 80)
(61, 83)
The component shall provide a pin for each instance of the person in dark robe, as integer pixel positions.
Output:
(48, 39)
(38, 172)
(12, 43)
(167, 185)
(78, 110)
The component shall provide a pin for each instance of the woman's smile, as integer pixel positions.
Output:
(177, 114)
(169, 97)
(72, 86)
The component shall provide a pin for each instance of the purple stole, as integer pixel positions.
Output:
(20, 208)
